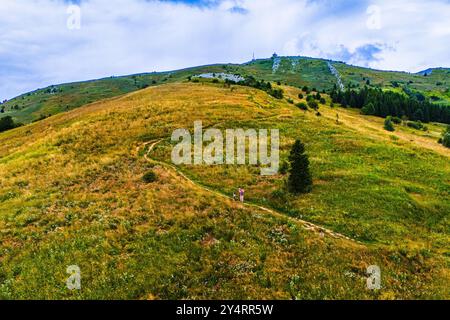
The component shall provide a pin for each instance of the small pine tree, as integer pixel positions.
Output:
(300, 179)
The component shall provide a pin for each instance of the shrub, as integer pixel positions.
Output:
(415, 125)
(388, 125)
(446, 140)
(149, 177)
(368, 109)
(313, 104)
(396, 120)
(300, 96)
(276, 93)
(300, 179)
(289, 100)
(7, 123)
(323, 101)
(302, 106)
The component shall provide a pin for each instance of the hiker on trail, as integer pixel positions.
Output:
(241, 194)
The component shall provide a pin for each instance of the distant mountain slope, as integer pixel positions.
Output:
(429, 71)
(294, 71)
(434, 85)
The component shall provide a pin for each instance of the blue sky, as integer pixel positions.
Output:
(118, 37)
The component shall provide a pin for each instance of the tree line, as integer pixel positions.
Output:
(388, 103)
(250, 81)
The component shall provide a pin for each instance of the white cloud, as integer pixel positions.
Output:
(129, 36)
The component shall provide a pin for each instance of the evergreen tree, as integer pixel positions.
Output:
(300, 179)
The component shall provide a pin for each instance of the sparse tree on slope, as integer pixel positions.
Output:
(300, 179)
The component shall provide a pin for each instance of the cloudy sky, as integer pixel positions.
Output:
(44, 42)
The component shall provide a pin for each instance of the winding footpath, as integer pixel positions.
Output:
(306, 225)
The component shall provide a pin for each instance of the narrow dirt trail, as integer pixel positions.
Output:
(306, 225)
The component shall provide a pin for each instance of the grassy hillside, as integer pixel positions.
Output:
(71, 192)
(294, 71)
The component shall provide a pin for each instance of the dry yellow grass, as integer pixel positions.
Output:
(71, 192)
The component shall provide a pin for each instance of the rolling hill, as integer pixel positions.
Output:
(293, 71)
(72, 193)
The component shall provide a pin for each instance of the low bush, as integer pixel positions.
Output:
(313, 104)
(149, 177)
(415, 125)
(302, 106)
(388, 125)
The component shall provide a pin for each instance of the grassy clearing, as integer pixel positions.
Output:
(71, 192)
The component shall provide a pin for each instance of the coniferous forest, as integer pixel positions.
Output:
(388, 103)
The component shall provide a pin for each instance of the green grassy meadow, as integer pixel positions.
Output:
(72, 193)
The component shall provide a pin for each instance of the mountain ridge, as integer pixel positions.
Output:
(296, 71)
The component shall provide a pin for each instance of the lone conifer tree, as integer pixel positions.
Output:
(300, 180)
